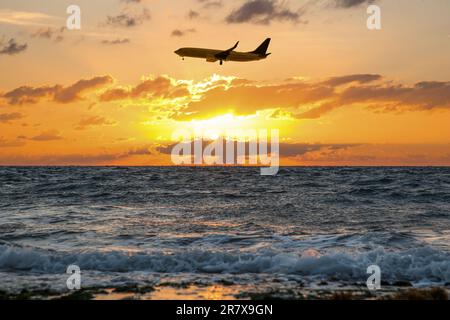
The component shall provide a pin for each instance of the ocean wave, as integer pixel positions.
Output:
(419, 265)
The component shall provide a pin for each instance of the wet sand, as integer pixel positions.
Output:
(236, 292)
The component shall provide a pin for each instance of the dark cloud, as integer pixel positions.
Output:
(116, 41)
(68, 159)
(94, 121)
(12, 47)
(50, 135)
(128, 19)
(11, 143)
(142, 151)
(351, 3)
(27, 94)
(73, 92)
(61, 160)
(211, 4)
(182, 33)
(193, 14)
(423, 95)
(286, 149)
(8, 117)
(300, 149)
(57, 93)
(46, 33)
(50, 34)
(359, 78)
(263, 12)
(388, 97)
(160, 87)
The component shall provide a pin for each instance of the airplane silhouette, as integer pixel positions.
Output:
(212, 55)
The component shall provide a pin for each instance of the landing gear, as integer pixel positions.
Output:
(221, 62)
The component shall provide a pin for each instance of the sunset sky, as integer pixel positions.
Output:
(113, 92)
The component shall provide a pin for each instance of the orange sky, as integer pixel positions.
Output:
(113, 92)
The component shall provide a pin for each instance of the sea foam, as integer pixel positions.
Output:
(419, 265)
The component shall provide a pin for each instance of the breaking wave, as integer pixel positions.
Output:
(424, 265)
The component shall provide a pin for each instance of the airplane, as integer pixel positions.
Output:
(212, 55)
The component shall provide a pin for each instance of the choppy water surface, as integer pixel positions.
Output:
(203, 225)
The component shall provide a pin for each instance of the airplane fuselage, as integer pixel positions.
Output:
(211, 55)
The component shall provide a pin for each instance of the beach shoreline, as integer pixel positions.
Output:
(183, 291)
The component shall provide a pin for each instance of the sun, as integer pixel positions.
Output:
(218, 126)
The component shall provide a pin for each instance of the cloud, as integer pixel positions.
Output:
(62, 160)
(12, 47)
(128, 19)
(211, 4)
(68, 159)
(141, 151)
(312, 99)
(26, 18)
(423, 95)
(55, 34)
(8, 117)
(380, 155)
(219, 95)
(73, 92)
(300, 149)
(351, 3)
(27, 94)
(286, 149)
(193, 14)
(94, 121)
(267, 11)
(57, 93)
(352, 154)
(359, 78)
(388, 97)
(263, 12)
(160, 87)
(11, 143)
(182, 33)
(46, 33)
(116, 41)
(247, 99)
(50, 135)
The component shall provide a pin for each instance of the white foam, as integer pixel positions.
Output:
(420, 265)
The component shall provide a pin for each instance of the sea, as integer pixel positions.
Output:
(223, 225)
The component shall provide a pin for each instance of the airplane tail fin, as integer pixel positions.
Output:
(262, 49)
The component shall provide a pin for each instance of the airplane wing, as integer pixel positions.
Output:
(224, 54)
